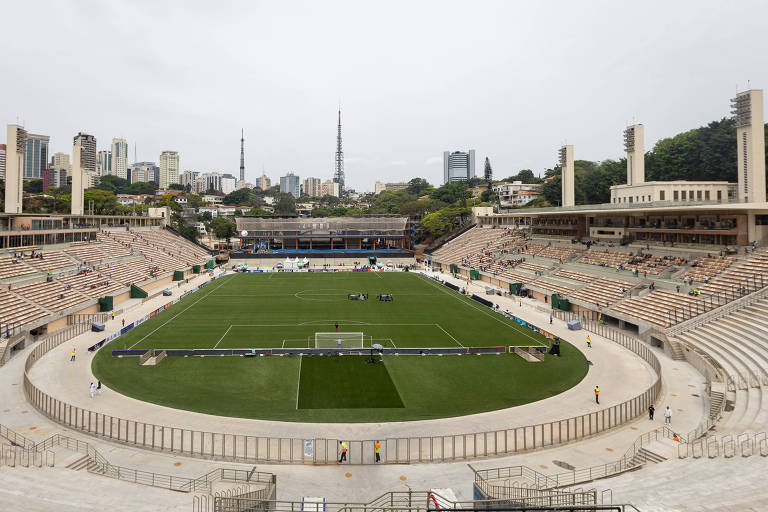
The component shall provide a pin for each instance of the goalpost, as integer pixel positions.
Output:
(339, 339)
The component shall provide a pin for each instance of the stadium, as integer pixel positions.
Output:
(573, 357)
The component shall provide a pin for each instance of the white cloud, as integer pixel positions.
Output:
(434, 160)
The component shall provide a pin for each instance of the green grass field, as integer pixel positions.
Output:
(287, 309)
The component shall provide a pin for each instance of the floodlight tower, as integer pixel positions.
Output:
(14, 162)
(567, 179)
(747, 108)
(634, 145)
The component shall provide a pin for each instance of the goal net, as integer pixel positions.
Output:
(339, 340)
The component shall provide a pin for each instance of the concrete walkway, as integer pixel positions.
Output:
(683, 391)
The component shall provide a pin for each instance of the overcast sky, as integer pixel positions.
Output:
(512, 80)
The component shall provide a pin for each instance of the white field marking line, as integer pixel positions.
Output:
(174, 316)
(377, 275)
(440, 287)
(449, 335)
(298, 384)
(341, 322)
(223, 336)
(270, 275)
(385, 339)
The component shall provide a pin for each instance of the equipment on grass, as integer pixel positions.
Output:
(339, 340)
(386, 297)
(357, 296)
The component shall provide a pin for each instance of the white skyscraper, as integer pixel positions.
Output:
(458, 166)
(104, 163)
(169, 169)
(120, 158)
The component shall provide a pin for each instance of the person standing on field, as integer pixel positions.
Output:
(72, 358)
(343, 451)
(597, 394)
(589, 341)
(377, 451)
(337, 326)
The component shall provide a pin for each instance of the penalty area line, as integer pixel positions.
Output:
(449, 335)
(222, 337)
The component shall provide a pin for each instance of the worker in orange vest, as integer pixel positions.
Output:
(377, 450)
(73, 354)
(597, 394)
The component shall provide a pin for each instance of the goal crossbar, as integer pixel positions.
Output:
(339, 339)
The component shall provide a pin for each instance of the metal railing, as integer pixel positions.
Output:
(15, 438)
(604, 330)
(744, 445)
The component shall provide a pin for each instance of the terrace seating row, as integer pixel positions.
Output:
(742, 273)
(16, 311)
(175, 245)
(98, 252)
(52, 260)
(558, 252)
(576, 276)
(708, 266)
(553, 287)
(602, 292)
(606, 258)
(91, 283)
(663, 307)
(471, 242)
(11, 267)
(52, 295)
(532, 267)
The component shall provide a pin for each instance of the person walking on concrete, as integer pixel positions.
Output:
(651, 410)
(74, 353)
(343, 451)
(98, 387)
(668, 416)
(377, 451)
(113, 315)
(597, 394)
(123, 322)
(91, 389)
(589, 341)
(550, 319)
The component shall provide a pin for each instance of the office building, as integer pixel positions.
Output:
(2, 161)
(120, 158)
(311, 187)
(458, 166)
(54, 178)
(16, 144)
(88, 158)
(290, 184)
(264, 182)
(144, 172)
(36, 156)
(104, 163)
(169, 169)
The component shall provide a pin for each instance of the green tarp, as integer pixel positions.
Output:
(195, 269)
(474, 275)
(209, 265)
(514, 288)
(138, 293)
(178, 275)
(454, 268)
(559, 302)
(372, 260)
(106, 303)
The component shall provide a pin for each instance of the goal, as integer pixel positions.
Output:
(339, 340)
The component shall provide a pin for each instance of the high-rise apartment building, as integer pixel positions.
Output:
(188, 178)
(104, 163)
(61, 161)
(120, 158)
(2, 161)
(290, 184)
(36, 156)
(228, 183)
(88, 159)
(312, 187)
(381, 187)
(169, 169)
(264, 182)
(458, 166)
(330, 188)
(54, 178)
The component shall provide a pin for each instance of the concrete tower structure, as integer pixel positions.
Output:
(567, 180)
(338, 174)
(87, 145)
(242, 155)
(16, 144)
(2, 161)
(747, 108)
(634, 144)
(80, 149)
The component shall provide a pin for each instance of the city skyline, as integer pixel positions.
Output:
(584, 81)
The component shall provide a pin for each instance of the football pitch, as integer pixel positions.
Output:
(285, 310)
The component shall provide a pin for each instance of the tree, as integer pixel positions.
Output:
(142, 187)
(489, 196)
(223, 228)
(104, 201)
(240, 197)
(452, 192)
(176, 186)
(112, 183)
(418, 208)
(188, 231)
(33, 186)
(417, 185)
(286, 204)
(204, 217)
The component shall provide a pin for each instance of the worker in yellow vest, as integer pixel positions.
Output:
(597, 394)
(73, 354)
(343, 451)
(377, 450)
